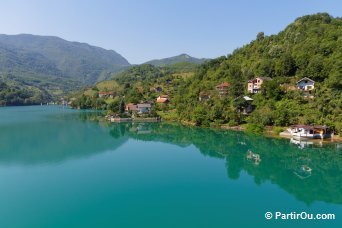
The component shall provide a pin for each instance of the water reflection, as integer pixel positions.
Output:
(54, 138)
(313, 174)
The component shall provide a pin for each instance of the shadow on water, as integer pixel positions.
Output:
(309, 173)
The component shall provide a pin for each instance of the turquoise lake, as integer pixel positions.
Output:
(62, 168)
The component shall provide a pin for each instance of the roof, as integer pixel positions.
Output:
(247, 98)
(309, 126)
(144, 105)
(265, 78)
(162, 100)
(224, 84)
(305, 78)
(109, 93)
(132, 107)
(262, 78)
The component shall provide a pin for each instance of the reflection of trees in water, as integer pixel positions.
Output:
(119, 130)
(279, 159)
(57, 138)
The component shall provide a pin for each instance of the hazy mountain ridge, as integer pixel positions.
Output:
(54, 56)
(176, 59)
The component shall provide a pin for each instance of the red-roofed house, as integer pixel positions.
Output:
(106, 94)
(223, 88)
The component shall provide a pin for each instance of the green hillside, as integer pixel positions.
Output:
(310, 47)
(141, 83)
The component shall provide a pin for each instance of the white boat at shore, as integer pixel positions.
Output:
(310, 131)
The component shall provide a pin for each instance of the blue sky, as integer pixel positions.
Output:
(150, 29)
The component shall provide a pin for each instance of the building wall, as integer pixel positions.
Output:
(305, 85)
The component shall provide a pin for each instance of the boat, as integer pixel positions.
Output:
(310, 131)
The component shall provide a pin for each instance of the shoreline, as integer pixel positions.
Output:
(269, 132)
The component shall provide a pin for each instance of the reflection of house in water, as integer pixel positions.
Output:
(253, 157)
(305, 143)
(141, 128)
(338, 146)
(303, 171)
(300, 143)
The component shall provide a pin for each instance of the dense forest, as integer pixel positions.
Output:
(11, 95)
(309, 47)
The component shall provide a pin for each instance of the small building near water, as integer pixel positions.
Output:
(249, 107)
(138, 108)
(130, 107)
(144, 108)
(310, 131)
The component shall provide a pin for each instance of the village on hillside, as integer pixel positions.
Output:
(147, 111)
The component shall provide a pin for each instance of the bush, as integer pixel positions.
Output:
(277, 130)
(255, 128)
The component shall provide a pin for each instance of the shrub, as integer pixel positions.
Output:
(255, 128)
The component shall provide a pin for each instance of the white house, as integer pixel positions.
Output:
(306, 84)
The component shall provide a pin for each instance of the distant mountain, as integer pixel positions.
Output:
(22, 55)
(176, 59)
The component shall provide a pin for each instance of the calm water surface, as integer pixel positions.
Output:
(60, 168)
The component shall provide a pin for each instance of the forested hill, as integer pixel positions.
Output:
(183, 58)
(54, 57)
(310, 47)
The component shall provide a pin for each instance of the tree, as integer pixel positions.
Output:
(286, 66)
(260, 36)
(122, 106)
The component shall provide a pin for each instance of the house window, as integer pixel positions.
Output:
(306, 81)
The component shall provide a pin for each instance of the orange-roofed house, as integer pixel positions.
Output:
(223, 88)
